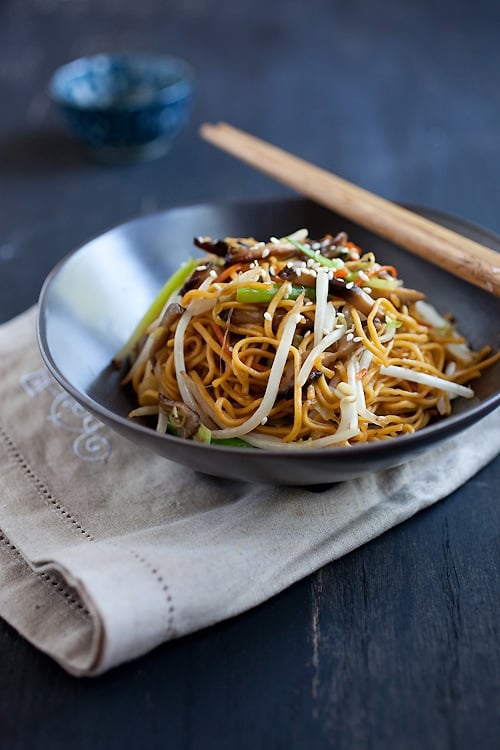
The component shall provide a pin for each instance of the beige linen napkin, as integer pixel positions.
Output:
(107, 551)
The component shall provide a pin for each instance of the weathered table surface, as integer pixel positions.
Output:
(396, 645)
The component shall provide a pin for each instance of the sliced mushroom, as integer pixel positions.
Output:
(162, 333)
(241, 316)
(171, 315)
(288, 380)
(296, 275)
(236, 250)
(215, 247)
(260, 251)
(405, 295)
(248, 249)
(352, 294)
(332, 247)
(182, 421)
(198, 276)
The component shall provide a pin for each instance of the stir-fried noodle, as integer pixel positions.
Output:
(295, 343)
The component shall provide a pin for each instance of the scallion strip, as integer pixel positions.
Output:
(377, 283)
(253, 295)
(316, 256)
(231, 442)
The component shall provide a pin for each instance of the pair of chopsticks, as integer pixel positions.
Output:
(457, 254)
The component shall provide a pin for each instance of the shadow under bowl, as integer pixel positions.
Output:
(124, 107)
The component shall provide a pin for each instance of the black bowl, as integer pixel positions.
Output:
(92, 300)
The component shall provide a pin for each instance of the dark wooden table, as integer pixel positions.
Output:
(396, 645)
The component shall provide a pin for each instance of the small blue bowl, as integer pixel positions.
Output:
(125, 107)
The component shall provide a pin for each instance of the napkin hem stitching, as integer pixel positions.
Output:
(40, 487)
(153, 569)
(47, 579)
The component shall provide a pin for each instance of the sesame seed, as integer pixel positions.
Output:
(212, 273)
(263, 421)
(265, 252)
(349, 285)
(268, 315)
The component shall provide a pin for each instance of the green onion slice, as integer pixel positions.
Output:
(232, 442)
(317, 257)
(264, 296)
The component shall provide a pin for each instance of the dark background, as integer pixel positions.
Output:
(397, 644)
(399, 97)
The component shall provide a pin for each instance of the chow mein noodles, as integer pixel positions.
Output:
(294, 342)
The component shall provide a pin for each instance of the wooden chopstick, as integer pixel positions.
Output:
(461, 256)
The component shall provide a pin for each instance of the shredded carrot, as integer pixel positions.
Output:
(227, 272)
(218, 333)
(376, 271)
(341, 273)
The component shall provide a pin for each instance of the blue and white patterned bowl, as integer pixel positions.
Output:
(125, 107)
